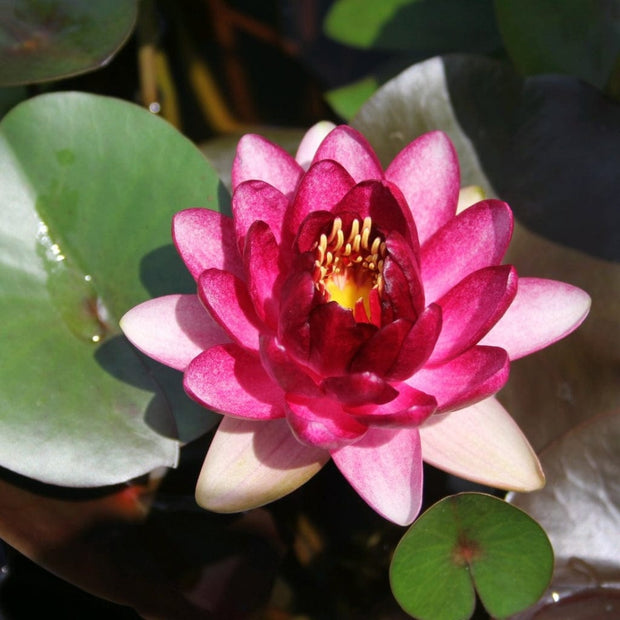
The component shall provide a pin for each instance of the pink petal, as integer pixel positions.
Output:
(231, 380)
(258, 159)
(471, 308)
(388, 210)
(250, 464)
(311, 141)
(410, 408)
(257, 200)
(543, 312)
(476, 238)
(230, 304)
(427, 172)
(205, 239)
(482, 443)
(385, 468)
(321, 188)
(172, 330)
(261, 265)
(474, 375)
(322, 422)
(351, 150)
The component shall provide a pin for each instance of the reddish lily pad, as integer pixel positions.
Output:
(470, 543)
(42, 40)
(89, 187)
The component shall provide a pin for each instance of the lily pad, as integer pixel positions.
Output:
(559, 133)
(397, 114)
(89, 185)
(470, 543)
(571, 37)
(429, 25)
(42, 40)
(580, 506)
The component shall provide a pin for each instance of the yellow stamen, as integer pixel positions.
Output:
(347, 271)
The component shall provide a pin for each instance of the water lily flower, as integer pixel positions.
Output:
(348, 312)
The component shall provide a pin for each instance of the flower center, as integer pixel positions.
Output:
(348, 267)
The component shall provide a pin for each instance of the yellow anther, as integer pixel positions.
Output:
(365, 236)
(339, 240)
(348, 264)
(355, 228)
(336, 227)
(323, 243)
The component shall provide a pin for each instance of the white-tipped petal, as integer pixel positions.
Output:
(468, 196)
(173, 329)
(310, 142)
(385, 468)
(250, 464)
(543, 312)
(482, 443)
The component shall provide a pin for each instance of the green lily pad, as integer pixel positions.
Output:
(42, 40)
(88, 187)
(429, 25)
(348, 99)
(573, 37)
(470, 543)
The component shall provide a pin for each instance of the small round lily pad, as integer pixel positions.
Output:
(466, 544)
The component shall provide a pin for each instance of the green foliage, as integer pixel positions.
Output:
(470, 543)
(347, 100)
(89, 187)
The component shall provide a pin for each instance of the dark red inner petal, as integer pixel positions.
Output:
(335, 337)
(260, 258)
(359, 389)
(322, 422)
(298, 296)
(410, 408)
(284, 370)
